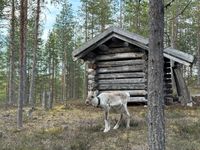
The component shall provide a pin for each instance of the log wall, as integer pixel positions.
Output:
(124, 69)
(168, 97)
(118, 68)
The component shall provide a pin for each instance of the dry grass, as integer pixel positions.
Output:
(79, 127)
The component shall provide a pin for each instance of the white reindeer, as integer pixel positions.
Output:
(108, 100)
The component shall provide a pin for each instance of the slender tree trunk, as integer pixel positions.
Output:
(156, 129)
(198, 43)
(92, 26)
(120, 15)
(21, 61)
(12, 47)
(86, 21)
(33, 74)
(25, 49)
(86, 38)
(52, 83)
(64, 76)
(174, 30)
(138, 15)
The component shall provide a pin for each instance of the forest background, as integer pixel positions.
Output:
(49, 68)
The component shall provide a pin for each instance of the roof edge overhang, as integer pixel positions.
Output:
(107, 35)
(132, 38)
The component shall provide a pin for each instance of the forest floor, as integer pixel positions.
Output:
(79, 127)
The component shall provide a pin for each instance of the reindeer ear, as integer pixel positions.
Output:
(96, 93)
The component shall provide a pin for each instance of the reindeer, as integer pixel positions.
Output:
(108, 100)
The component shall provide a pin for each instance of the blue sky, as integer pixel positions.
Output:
(50, 16)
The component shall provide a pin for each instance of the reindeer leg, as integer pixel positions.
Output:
(118, 122)
(127, 115)
(107, 124)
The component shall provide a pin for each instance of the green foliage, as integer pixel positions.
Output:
(2, 5)
(136, 16)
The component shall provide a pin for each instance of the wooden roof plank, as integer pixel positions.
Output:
(131, 38)
(179, 54)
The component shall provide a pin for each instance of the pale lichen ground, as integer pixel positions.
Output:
(78, 127)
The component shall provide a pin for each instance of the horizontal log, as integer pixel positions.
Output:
(137, 99)
(167, 70)
(91, 77)
(167, 65)
(131, 92)
(119, 56)
(90, 70)
(117, 43)
(91, 81)
(168, 96)
(118, 81)
(121, 75)
(168, 80)
(121, 63)
(167, 75)
(168, 91)
(108, 50)
(168, 85)
(122, 86)
(122, 69)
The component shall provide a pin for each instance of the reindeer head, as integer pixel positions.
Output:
(90, 97)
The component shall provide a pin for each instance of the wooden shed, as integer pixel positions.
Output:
(117, 60)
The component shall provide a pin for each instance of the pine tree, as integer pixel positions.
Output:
(23, 17)
(156, 123)
(33, 73)
(12, 49)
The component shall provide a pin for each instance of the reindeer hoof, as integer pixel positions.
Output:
(116, 127)
(106, 130)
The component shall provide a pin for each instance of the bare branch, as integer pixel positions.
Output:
(169, 4)
(182, 11)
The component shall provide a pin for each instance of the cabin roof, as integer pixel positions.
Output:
(132, 38)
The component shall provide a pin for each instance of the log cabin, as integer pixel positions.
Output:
(117, 60)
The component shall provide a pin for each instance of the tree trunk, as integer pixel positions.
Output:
(25, 47)
(23, 8)
(156, 131)
(64, 76)
(138, 15)
(198, 43)
(52, 82)
(33, 74)
(174, 30)
(121, 14)
(12, 47)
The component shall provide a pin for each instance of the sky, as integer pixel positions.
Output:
(50, 18)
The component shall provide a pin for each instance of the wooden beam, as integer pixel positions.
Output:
(121, 63)
(167, 75)
(138, 99)
(177, 59)
(131, 92)
(121, 75)
(115, 50)
(119, 56)
(179, 55)
(122, 69)
(182, 89)
(122, 86)
(118, 81)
